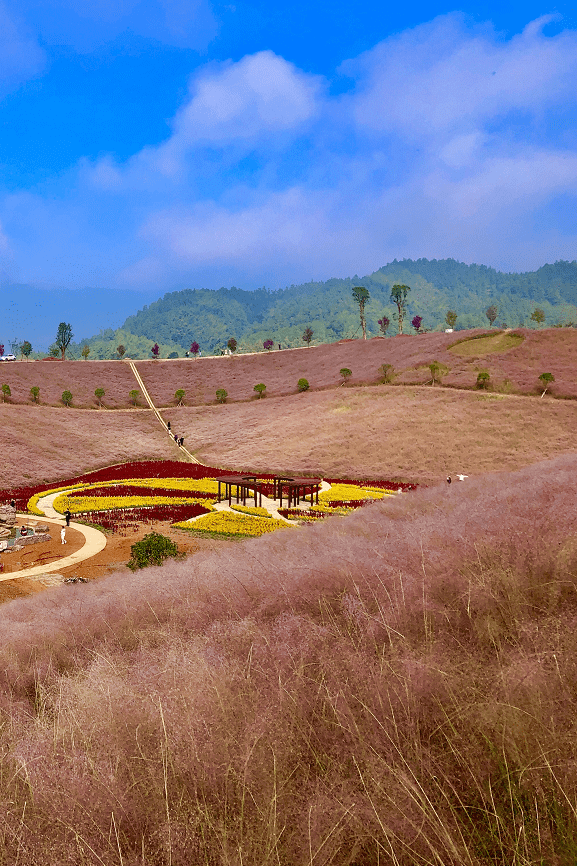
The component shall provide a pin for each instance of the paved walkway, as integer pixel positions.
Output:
(94, 542)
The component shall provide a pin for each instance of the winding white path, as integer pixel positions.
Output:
(94, 542)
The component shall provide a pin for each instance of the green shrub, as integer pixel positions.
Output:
(6, 392)
(345, 373)
(387, 372)
(260, 389)
(179, 396)
(35, 393)
(483, 378)
(221, 395)
(152, 550)
(134, 395)
(66, 398)
(303, 384)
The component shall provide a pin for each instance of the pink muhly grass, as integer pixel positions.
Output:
(396, 684)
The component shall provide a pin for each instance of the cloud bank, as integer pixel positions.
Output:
(443, 141)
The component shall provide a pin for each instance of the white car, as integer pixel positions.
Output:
(8, 358)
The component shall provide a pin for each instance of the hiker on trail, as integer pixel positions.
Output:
(176, 438)
(181, 441)
(448, 479)
(67, 515)
(63, 535)
(168, 426)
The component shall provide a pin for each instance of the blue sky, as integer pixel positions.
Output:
(163, 144)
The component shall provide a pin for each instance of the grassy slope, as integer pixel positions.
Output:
(397, 687)
(415, 433)
(47, 444)
(552, 350)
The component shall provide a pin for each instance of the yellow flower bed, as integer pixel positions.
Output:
(257, 512)
(227, 523)
(350, 493)
(32, 504)
(327, 509)
(199, 485)
(79, 504)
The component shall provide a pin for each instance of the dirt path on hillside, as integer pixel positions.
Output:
(156, 411)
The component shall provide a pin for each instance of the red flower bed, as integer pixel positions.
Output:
(144, 469)
(121, 518)
(134, 490)
(368, 482)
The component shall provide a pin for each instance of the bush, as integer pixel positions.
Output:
(221, 395)
(35, 393)
(99, 394)
(232, 345)
(268, 344)
(134, 395)
(6, 392)
(173, 355)
(387, 371)
(345, 373)
(483, 379)
(260, 389)
(179, 396)
(66, 398)
(303, 384)
(152, 550)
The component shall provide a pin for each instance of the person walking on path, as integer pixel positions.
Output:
(448, 479)
(168, 426)
(63, 535)
(67, 516)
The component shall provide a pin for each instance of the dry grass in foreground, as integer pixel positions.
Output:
(414, 433)
(395, 687)
(41, 443)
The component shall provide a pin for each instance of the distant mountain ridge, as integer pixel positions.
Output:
(211, 317)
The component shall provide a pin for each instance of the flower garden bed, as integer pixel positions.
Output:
(129, 494)
(233, 525)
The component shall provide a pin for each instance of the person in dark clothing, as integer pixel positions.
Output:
(67, 516)
(181, 441)
(168, 426)
(448, 479)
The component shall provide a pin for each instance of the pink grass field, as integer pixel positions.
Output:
(397, 686)
(42, 443)
(413, 433)
(553, 350)
(81, 378)
(550, 350)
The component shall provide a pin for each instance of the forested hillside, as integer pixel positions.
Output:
(212, 317)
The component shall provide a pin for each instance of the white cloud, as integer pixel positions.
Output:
(442, 76)
(268, 179)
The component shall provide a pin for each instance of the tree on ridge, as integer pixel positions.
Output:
(63, 338)
(361, 296)
(399, 298)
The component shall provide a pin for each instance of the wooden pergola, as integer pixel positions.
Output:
(244, 486)
(248, 486)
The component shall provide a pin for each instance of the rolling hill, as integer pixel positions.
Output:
(212, 317)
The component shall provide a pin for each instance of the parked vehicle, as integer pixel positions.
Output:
(7, 357)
